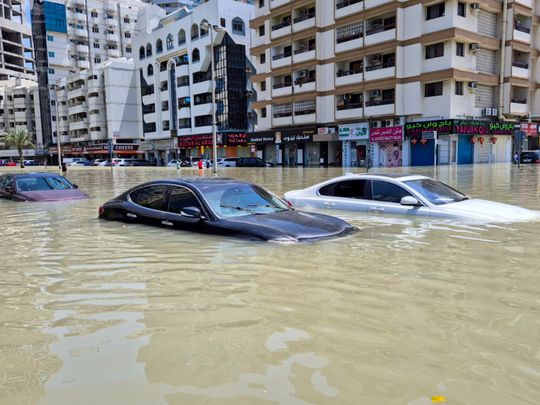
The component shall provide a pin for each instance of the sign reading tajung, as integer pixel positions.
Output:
(354, 132)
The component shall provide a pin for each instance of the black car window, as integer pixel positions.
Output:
(153, 197)
(181, 198)
(388, 192)
(360, 189)
(3, 181)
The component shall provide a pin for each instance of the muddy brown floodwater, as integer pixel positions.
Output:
(408, 309)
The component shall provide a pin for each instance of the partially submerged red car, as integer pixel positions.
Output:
(38, 187)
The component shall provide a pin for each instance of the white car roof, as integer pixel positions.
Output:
(382, 176)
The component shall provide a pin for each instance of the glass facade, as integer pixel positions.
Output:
(55, 17)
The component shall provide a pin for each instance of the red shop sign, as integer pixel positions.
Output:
(388, 134)
(530, 129)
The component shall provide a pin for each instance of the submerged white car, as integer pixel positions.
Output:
(405, 195)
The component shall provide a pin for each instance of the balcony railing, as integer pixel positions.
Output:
(346, 3)
(373, 103)
(342, 73)
(381, 66)
(283, 114)
(519, 100)
(304, 49)
(304, 80)
(281, 85)
(304, 17)
(522, 65)
(380, 28)
(349, 106)
(281, 56)
(355, 35)
(522, 29)
(282, 25)
(305, 111)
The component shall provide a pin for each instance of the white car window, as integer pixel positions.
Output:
(388, 192)
(358, 189)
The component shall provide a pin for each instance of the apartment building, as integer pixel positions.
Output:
(19, 110)
(174, 64)
(16, 50)
(172, 5)
(98, 106)
(338, 80)
(74, 35)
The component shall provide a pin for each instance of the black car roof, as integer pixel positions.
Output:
(200, 181)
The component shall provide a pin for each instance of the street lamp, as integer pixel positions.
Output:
(205, 25)
(53, 87)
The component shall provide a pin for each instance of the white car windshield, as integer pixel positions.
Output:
(241, 200)
(436, 192)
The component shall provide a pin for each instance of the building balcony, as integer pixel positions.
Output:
(280, 30)
(111, 22)
(379, 107)
(184, 113)
(82, 108)
(304, 22)
(305, 117)
(520, 70)
(354, 41)
(349, 111)
(94, 86)
(113, 53)
(97, 135)
(149, 118)
(79, 16)
(282, 121)
(19, 102)
(79, 92)
(110, 7)
(348, 77)
(96, 120)
(83, 64)
(526, 3)
(281, 89)
(280, 61)
(20, 116)
(82, 49)
(111, 37)
(348, 7)
(305, 87)
(95, 20)
(277, 3)
(201, 87)
(94, 103)
(149, 99)
(379, 72)
(518, 106)
(301, 55)
(81, 33)
(522, 35)
(81, 124)
(376, 36)
(202, 109)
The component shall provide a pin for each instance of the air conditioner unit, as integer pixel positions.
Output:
(375, 93)
(475, 6)
(399, 121)
(375, 59)
(376, 124)
(303, 73)
(494, 112)
(474, 47)
(487, 111)
(248, 70)
(473, 85)
(389, 123)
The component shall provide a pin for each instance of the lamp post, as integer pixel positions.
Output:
(53, 87)
(213, 28)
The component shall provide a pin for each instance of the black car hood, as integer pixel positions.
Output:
(291, 225)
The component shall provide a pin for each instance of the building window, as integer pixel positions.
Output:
(204, 32)
(181, 37)
(261, 30)
(128, 49)
(97, 60)
(169, 41)
(195, 55)
(435, 50)
(95, 29)
(263, 85)
(141, 52)
(126, 19)
(459, 88)
(262, 58)
(263, 112)
(51, 71)
(461, 9)
(460, 49)
(148, 50)
(96, 45)
(50, 38)
(150, 70)
(94, 14)
(433, 89)
(222, 22)
(159, 46)
(238, 26)
(51, 54)
(349, 32)
(261, 3)
(127, 35)
(435, 11)
(194, 32)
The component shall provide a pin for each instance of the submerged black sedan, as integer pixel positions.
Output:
(220, 206)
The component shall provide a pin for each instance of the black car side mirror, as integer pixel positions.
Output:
(191, 212)
(9, 189)
(75, 186)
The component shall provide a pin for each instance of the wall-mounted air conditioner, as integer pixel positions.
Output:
(375, 93)
(474, 47)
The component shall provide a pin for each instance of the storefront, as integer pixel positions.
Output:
(531, 132)
(296, 147)
(354, 144)
(329, 148)
(459, 142)
(387, 146)
(263, 145)
(228, 145)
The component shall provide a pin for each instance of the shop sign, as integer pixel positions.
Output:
(388, 134)
(125, 148)
(471, 127)
(354, 132)
(529, 128)
(503, 128)
(236, 139)
(263, 138)
(443, 127)
(99, 148)
(326, 130)
(295, 135)
(297, 138)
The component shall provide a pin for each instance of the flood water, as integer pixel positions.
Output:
(406, 310)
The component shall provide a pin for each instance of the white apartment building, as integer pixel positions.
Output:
(175, 73)
(330, 66)
(97, 106)
(16, 51)
(19, 110)
(172, 5)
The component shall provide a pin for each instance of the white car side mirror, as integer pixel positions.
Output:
(409, 201)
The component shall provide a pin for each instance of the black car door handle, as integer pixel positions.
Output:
(168, 223)
(129, 214)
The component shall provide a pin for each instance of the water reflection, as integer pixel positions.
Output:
(406, 309)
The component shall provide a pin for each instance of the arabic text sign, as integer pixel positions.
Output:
(388, 134)
(354, 132)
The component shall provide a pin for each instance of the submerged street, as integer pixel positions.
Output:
(404, 311)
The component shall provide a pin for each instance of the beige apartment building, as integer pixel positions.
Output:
(324, 66)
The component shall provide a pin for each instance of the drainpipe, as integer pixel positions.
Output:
(501, 68)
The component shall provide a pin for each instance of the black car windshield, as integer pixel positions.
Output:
(43, 183)
(436, 192)
(233, 200)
